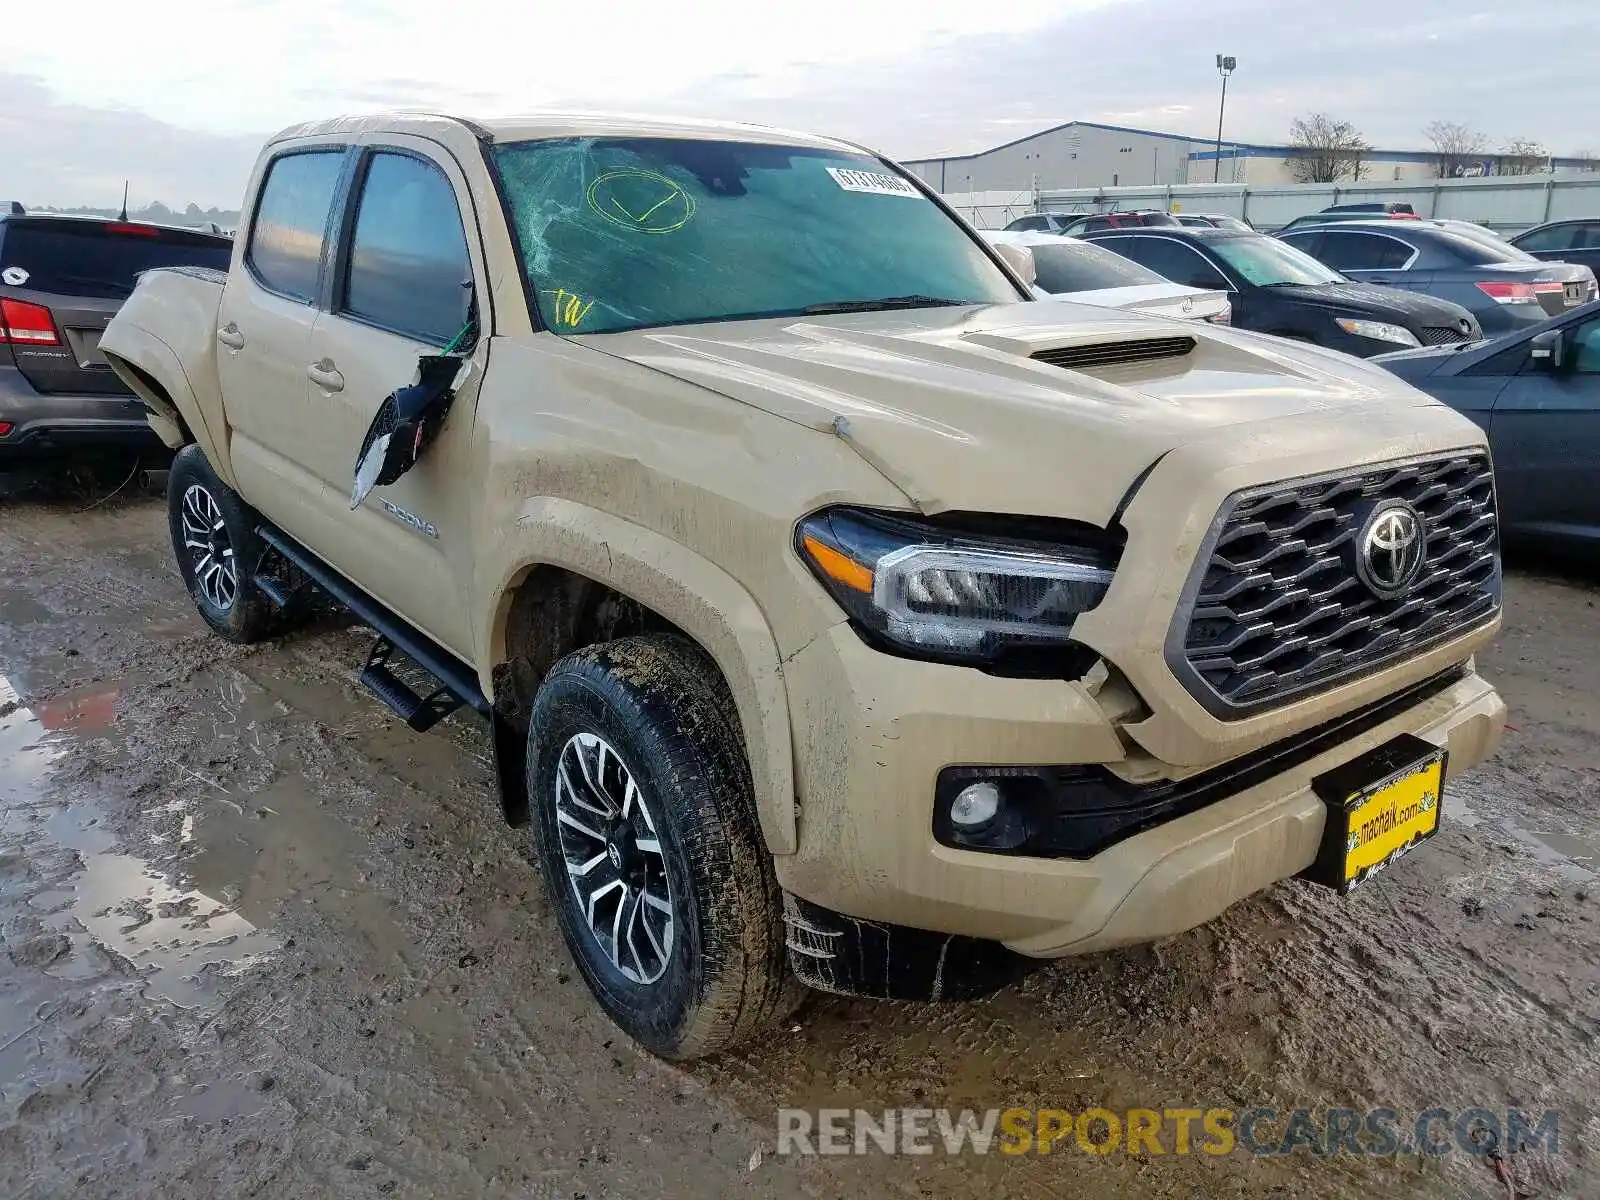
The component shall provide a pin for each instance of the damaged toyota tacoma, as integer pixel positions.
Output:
(839, 615)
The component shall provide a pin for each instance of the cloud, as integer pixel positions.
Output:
(915, 78)
(65, 154)
(1520, 70)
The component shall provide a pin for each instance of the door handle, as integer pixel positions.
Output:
(230, 336)
(325, 375)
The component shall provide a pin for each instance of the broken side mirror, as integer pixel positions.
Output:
(410, 417)
(1020, 260)
(1548, 349)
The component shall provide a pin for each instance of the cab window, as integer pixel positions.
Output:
(1557, 237)
(1363, 252)
(1170, 259)
(286, 238)
(408, 270)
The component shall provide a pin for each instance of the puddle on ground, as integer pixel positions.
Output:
(1575, 858)
(177, 939)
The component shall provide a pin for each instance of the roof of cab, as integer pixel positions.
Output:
(560, 125)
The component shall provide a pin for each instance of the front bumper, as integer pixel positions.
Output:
(46, 425)
(868, 769)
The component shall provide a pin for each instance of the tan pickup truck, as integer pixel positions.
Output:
(838, 613)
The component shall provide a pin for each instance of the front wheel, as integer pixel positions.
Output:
(644, 830)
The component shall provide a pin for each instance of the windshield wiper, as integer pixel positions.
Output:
(882, 302)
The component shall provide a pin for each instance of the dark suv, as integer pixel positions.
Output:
(61, 281)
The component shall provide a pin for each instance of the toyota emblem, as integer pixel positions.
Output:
(1391, 549)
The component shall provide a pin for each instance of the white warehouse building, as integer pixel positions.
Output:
(1083, 154)
(1077, 154)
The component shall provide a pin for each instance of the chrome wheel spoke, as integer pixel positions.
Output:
(614, 859)
(211, 558)
(566, 818)
(583, 798)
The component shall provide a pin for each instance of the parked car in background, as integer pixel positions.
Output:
(1277, 289)
(62, 278)
(1045, 222)
(1537, 393)
(1399, 207)
(1076, 270)
(1214, 221)
(1576, 241)
(1120, 220)
(1504, 288)
(1333, 216)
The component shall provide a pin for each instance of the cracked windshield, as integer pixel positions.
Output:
(626, 233)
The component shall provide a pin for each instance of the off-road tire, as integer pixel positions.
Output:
(250, 616)
(662, 707)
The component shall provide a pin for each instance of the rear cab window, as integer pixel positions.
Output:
(291, 221)
(100, 259)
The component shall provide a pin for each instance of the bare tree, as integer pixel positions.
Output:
(1587, 160)
(1326, 149)
(1522, 156)
(1457, 147)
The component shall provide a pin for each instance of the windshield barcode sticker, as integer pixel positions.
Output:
(872, 182)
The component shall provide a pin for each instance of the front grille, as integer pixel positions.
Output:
(1276, 608)
(1443, 335)
(1104, 354)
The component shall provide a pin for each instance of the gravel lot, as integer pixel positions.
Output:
(259, 941)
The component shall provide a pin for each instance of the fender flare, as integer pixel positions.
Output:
(682, 586)
(181, 407)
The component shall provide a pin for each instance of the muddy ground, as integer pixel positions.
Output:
(259, 941)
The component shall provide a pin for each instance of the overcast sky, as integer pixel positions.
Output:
(180, 103)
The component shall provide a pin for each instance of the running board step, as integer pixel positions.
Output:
(454, 675)
(421, 713)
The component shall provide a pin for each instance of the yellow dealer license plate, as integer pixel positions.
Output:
(1380, 806)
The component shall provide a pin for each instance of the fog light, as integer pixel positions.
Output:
(975, 806)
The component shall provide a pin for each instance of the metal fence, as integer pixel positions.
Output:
(1504, 203)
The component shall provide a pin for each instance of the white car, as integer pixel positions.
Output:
(1089, 274)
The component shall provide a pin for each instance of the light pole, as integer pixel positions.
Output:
(1226, 64)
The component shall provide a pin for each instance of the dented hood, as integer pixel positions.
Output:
(950, 406)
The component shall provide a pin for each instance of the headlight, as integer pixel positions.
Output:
(1379, 330)
(954, 596)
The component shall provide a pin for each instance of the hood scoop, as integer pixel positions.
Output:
(1108, 354)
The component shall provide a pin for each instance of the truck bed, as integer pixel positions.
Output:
(163, 344)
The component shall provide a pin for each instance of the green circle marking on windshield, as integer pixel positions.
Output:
(642, 201)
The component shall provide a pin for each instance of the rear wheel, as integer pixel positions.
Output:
(213, 535)
(644, 829)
